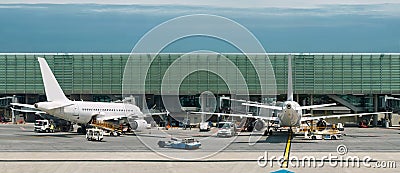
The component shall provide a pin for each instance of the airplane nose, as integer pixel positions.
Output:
(288, 106)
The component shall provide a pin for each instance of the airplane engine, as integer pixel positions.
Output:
(44, 105)
(259, 125)
(138, 125)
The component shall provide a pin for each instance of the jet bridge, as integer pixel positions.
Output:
(346, 103)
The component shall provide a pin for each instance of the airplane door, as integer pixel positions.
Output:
(76, 110)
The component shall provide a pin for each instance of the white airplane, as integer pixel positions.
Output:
(82, 112)
(290, 114)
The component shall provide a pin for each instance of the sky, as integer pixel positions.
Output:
(280, 26)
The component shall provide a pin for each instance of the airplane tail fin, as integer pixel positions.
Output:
(51, 86)
(290, 84)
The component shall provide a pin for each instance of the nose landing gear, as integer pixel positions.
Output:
(268, 132)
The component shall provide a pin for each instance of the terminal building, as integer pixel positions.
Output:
(358, 82)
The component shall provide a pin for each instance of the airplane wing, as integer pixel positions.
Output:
(115, 117)
(339, 116)
(238, 115)
(158, 113)
(23, 105)
(315, 106)
(102, 117)
(56, 105)
(60, 105)
(263, 106)
(28, 111)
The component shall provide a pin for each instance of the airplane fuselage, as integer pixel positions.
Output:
(290, 115)
(82, 112)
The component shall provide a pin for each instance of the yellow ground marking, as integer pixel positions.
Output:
(287, 151)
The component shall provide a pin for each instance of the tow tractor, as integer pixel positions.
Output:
(204, 126)
(324, 134)
(186, 143)
(94, 134)
(321, 130)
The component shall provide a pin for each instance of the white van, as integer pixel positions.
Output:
(226, 129)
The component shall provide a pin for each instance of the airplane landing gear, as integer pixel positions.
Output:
(268, 132)
(291, 132)
(82, 129)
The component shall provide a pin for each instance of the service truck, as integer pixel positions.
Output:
(44, 126)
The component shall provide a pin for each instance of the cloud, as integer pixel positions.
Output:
(381, 10)
(257, 8)
(296, 4)
(21, 6)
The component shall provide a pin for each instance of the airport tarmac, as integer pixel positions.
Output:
(22, 150)
(22, 138)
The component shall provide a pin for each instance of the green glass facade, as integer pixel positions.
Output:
(96, 73)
